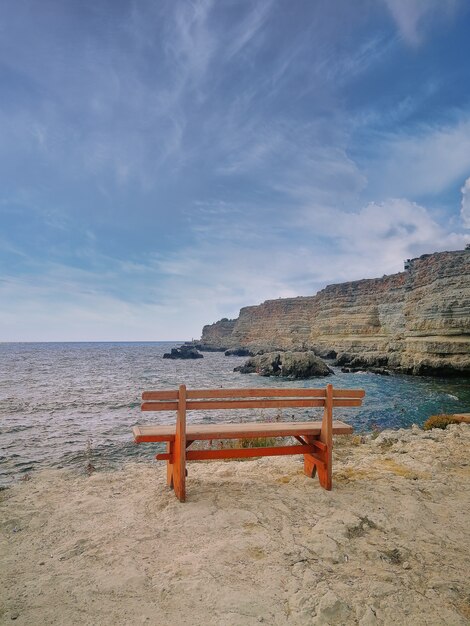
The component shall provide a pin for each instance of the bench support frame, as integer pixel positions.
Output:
(317, 451)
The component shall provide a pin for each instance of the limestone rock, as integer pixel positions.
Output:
(286, 364)
(216, 335)
(332, 610)
(238, 352)
(415, 322)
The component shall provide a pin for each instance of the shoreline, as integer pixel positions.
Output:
(256, 541)
(104, 404)
(414, 322)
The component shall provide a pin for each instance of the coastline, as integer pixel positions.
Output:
(48, 423)
(413, 322)
(256, 542)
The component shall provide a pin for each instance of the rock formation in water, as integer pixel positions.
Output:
(183, 352)
(239, 352)
(416, 321)
(286, 364)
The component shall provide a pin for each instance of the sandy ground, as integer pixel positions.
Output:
(256, 542)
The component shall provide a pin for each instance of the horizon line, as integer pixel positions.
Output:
(96, 341)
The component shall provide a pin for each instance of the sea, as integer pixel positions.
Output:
(73, 405)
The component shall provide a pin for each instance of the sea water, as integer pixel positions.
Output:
(70, 404)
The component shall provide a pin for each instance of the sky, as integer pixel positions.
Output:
(165, 163)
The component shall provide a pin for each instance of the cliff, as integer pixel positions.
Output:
(416, 321)
(217, 336)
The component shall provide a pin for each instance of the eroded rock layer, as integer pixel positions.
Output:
(416, 321)
(217, 336)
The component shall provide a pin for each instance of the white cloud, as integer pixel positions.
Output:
(413, 16)
(297, 253)
(67, 304)
(376, 239)
(426, 161)
(465, 207)
(194, 43)
(230, 264)
(33, 312)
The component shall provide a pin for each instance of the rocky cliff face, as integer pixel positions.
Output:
(436, 309)
(416, 321)
(218, 335)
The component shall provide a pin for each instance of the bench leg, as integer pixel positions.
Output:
(326, 437)
(310, 467)
(319, 464)
(169, 464)
(324, 476)
(179, 456)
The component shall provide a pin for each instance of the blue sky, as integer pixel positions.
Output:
(163, 164)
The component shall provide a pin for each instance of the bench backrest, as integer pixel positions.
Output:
(209, 399)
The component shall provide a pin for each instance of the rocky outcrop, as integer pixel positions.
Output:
(239, 352)
(183, 352)
(207, 347)
(437, 314)
(216, 337)
(286, 364)
(416, 321)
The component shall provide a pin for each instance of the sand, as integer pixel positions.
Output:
(256, 542)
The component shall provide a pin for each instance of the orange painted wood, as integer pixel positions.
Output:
(149, 434)
(179, 464)
(267, 392)
(196, 432)
(311, 441)
(318, 444)
(210, 405)
(196, 394)
(169, 464)
(346, 402)
(324, 476)
(348, 393)
(310, 467)
(240, 453)
(317, 460)
(326, 436)
(159, 406)
(160, 395)
(245, 453)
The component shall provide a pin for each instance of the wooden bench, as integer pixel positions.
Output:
(315, 437)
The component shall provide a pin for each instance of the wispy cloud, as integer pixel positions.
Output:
(228, 267)
(163, 164)
(194, 44)
(301, 252)
(465, 207)
(249, 28)
(414, 16)
(421, 161)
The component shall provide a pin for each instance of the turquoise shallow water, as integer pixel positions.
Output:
(64, 404)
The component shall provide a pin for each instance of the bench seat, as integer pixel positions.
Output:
(198, 432)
